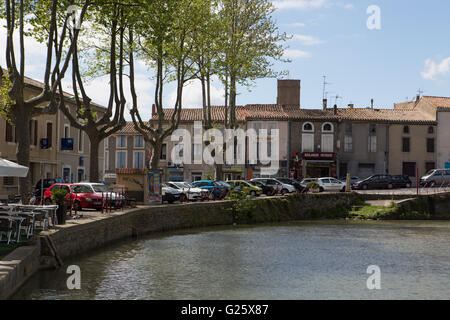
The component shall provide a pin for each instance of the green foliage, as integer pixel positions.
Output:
(313, 185)
(5, 100)
(59, 196)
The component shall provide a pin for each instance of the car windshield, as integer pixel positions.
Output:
(180, 185)
(100, 188)
(430, 173)
(81, 189)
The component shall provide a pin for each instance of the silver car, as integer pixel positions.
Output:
(436, 177)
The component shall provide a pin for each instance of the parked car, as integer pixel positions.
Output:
(192, 193)
(378, 181)
(246, 187)
(170, 195)
(266, 189)
(218, 190)
(308, 180)
(80, 196)
(45, 184)
(353, 180)
(302, 188)
(282, 188)
(331, 184)
(436, 177)
(102, 190)
(401, 181)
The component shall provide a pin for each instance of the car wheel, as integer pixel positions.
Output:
(343, 189)
(408, 185)
(364, 187)
(321, 189)
(284, 192)
(253, 194)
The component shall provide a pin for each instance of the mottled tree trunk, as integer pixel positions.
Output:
(94, 159)
(156, 155)
(22, 123)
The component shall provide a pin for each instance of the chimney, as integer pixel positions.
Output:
(289, 92)
(153, 110)
(324, 104)
(335, 109)
(417, 98)
(351, 106)
(371, 103)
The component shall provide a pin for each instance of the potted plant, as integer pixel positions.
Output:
(59, 198)
(313, 186)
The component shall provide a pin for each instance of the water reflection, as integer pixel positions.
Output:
(305, 260)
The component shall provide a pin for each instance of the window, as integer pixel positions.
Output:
(348, 143)
(106, 143)
(80, 175)
(163, 152)
(327, 143)
(308, 127)
(80, 140)
(138, 160)
(430, 130)
(372, 144)
(271, 126)
(327, 127)
(348, 128)
(409, 169)
(430, 145)
(121, 141)
(406, 129)
(66, 131)
(307, 142)
(373, 129)
(257, 126)
(49, 133)
(139, 142)
(406, 145)
(121, 160)
(430, 166)
(9, 132)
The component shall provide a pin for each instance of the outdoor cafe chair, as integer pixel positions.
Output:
(7, 228)
(27, 223)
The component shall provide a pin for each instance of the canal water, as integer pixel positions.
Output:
(302, 260)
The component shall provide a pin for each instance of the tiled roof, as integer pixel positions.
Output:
(129, 128)
(438, 102)
(187, 114)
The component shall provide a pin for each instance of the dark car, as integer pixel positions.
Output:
(170, 195)
(378, 181)
(266, 189)
(302, 188)
(401, 181)
(45, 184)
(218, 189)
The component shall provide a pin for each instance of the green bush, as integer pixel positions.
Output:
(59, 196)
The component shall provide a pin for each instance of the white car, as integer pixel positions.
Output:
(281, 187)
(192, 193)
(331, 184)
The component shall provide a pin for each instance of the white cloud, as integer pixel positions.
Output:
(293, 53)
(309, 4)
(296, 25)
(307, 40)
(192, 95)
(300, 4)
(434, 70)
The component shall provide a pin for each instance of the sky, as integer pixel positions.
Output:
(387, 59)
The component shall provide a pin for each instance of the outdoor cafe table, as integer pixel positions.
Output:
(49, 210)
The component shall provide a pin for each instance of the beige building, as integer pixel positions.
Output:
(47, 160)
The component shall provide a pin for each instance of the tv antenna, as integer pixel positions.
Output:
(420, 92)
(336, 98)
(325, 83)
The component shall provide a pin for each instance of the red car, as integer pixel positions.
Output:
(81, 196)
